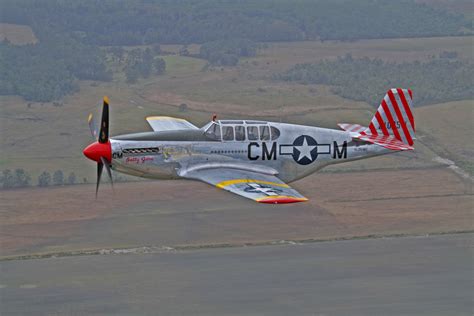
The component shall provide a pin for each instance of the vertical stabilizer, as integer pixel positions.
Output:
(394, 117)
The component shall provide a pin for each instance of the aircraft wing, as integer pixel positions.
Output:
(166, 123)
(263, 188)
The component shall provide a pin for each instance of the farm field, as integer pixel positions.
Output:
(180, 213)
(449, 128)
(17, 34)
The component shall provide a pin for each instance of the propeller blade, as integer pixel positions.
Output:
(100, 166)
(92, 126)
(104, 123)
(109, 172)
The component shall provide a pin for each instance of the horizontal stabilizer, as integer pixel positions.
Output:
(388, 142)
(353, 128)
(359, 132)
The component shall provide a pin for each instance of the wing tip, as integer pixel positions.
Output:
(281, 200)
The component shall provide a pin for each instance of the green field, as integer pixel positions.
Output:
(182, 66)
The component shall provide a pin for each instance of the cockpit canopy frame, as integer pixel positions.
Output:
(241, 130)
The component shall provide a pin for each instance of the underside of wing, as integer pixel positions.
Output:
(167, 123)
(263, 188)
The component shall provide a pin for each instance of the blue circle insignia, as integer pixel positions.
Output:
(305, 150)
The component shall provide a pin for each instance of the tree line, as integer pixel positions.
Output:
(123, 23)
(19, 178)
(227, 52)
(435, 81)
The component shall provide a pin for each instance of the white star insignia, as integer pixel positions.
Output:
(304, 150)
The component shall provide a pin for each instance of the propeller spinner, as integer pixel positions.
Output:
(101, 150)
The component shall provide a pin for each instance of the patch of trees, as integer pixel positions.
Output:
(448, 54)
(227, 52)
(58, 178)
(14, 179)
(122, 23)
(435, 81)
(143, 63)
(19, 178)
(48, 70)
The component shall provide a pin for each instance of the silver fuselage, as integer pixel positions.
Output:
(167, 154)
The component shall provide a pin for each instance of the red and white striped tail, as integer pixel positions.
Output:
(392, 126)
(394, 117)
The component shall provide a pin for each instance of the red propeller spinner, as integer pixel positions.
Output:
(101, 150)
(97, 150)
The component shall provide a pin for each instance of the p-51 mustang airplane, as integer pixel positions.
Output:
(254, 159)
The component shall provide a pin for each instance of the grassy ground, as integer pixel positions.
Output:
(174, 213)
(17, 34)
(449, 128)
(182, 66)
(279, 56)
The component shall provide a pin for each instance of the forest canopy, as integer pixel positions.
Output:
(110, 22)
(436, 81)
(48, 70)
(227, 52)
